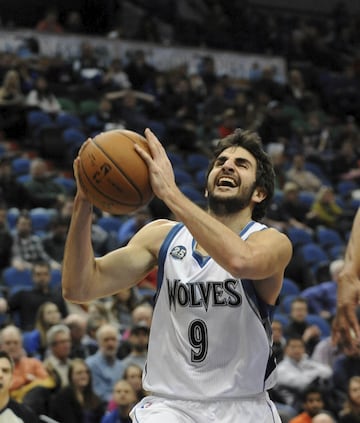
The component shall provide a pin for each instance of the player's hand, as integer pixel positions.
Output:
(346, 321)
(161, 172)
(80, 192)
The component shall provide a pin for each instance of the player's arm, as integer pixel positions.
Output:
(85, 277)
(348, 291)
(263, 257)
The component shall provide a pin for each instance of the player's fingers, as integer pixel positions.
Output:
(154, 143)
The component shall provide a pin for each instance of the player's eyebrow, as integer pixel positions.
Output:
(238, 160)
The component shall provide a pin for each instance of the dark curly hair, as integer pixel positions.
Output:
(265, 175)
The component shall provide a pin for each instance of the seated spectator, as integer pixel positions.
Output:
(57, 361)
(77, 402)
(321, 298)
(12, 106)
(297, 371)
(305, 179)
(27, 302)
(12, 192)
(345, 164)
(298, 326)
(49, 22)
(28, 372)
(54, 240)
(328, 349)
(43, 98)
(105, 367)
(102, 241)
(48, 315)
(10, 90)
(350, 412)
(279, 340)
(9, 408)
(345, 367)
(133, 374)
(120, 307)
(42, 190)
(89, 339)
(290, 212)
(27, 247)
(86, 66)
(6, 239)
(77, 325)
(312, 403)
(124, 398)
(138, 340)
(115, 77)
(325, 211)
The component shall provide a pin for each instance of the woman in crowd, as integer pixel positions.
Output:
(77, 402)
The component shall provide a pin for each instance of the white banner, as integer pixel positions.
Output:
(162, 57)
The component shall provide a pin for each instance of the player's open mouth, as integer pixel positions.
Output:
(226, 181)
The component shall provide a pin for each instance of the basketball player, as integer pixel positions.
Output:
(348, 290)
(10, 410)
(219, 275)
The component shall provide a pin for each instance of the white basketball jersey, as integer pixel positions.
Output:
(211, 334)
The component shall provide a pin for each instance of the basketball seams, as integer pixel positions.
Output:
(102, 193)
(113, 176)
(131, 183)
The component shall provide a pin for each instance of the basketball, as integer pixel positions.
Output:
(112, 175)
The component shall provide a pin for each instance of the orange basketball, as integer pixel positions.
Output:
(112, 174)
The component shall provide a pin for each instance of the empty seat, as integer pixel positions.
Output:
(299, 236)
(328, 237)
(289, 287)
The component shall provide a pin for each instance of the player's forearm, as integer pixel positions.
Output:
(218, 240)
(352, 254)
(78, 263)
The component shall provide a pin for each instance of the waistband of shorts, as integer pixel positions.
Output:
(253, 397)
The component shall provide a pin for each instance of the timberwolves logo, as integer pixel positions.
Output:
(178, 252)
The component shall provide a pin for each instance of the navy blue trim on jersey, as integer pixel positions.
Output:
(265, 312)
(162, 255)
(247, 227)
(202, 260)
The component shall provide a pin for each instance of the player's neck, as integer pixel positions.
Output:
(4, 399)
(236, 222)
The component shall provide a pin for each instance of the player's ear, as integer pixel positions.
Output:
(206, 193)
(259, 195)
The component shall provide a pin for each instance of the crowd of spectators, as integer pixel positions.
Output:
(92, 356)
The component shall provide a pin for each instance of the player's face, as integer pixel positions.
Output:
(232, 181)
(5, 375)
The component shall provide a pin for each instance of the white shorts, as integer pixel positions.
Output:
(154, 409)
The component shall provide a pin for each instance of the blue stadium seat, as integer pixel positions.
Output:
(15, 279)
(68, 183)
(40, 219)
(299, 236)
(324, 326)
(21, 166)
(328, 237)
(182, 176)
(282, 318)
(289, 287)
(193, 194)
(196, 161)
(109, 223)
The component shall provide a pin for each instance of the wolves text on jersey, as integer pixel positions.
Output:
(203, 294)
